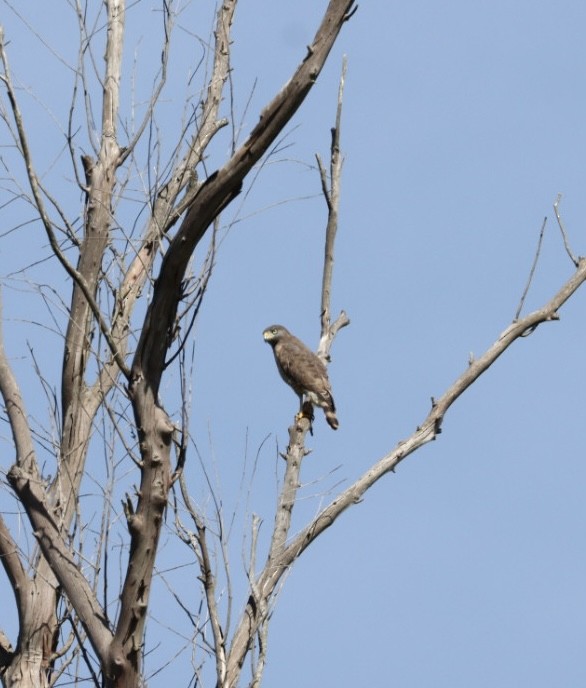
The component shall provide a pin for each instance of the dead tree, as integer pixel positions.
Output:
(182, 210)
(117, 345)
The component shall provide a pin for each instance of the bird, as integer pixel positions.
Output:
(302, 370)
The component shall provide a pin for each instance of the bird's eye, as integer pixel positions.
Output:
(274, 330)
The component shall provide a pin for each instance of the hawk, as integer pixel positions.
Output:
(302, 370)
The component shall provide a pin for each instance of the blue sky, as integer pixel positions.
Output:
(461, 124)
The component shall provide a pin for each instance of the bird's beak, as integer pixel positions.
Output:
(266, 335)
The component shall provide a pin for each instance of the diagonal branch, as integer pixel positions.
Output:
(24, 479)
(210, 124)
(219, 190)
(16, 412)
(65, 567)
(282, 556)
(425, 433)
(166, 210)
(556, 208)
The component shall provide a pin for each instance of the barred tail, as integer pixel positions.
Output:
(331, 418)
(330, 411)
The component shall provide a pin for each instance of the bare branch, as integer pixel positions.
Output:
(208, 580)
(282, 556)
(165, 213)
(167, 25)
(15, 409)
(254, 621)
(425, 433)
(62, 562)
(332, 197)
(258, 663)
(532, 271)
(155, 432)
(78, 277)
(13, 567)
(111, 95)
(296, 452)
(220, 189)
(556, 207)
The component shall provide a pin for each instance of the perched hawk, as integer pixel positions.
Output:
(302, 370)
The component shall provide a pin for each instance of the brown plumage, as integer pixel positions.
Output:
(302, 370)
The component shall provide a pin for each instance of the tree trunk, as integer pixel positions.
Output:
(32, 662)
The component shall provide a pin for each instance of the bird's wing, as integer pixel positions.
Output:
(302, 367)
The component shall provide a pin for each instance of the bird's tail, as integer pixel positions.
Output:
(331, 418)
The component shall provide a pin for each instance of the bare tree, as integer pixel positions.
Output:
(134, 297)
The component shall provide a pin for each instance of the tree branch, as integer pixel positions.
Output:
(556, 208)
(219, 190)
(425, 433)
(16, 412)
(167, 25)
(198, 541)
(78, 404)
(531, 271)
(166, 210)
(14, 569)
(63, 564)
(76, 276)
(332, 198)
(253, 621)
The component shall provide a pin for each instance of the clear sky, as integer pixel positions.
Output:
(462, 122)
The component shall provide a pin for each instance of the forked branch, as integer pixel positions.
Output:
(426, 432)
(220, 189)
(36, 189)
(254, 621)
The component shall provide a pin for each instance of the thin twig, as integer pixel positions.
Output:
(44, 216)
(532, 271)
(556, 206)
(167, 27)
(208, 580)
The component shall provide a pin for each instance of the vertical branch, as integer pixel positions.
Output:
(25, 457)
(199, 542)
(258, 663)
(111, 95)
(78, 405)
(296, 451)
(16, 412)
(14, 570)
(332, 198)
(331, 194)
(255, 617)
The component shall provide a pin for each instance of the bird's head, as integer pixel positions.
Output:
(273, 333)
